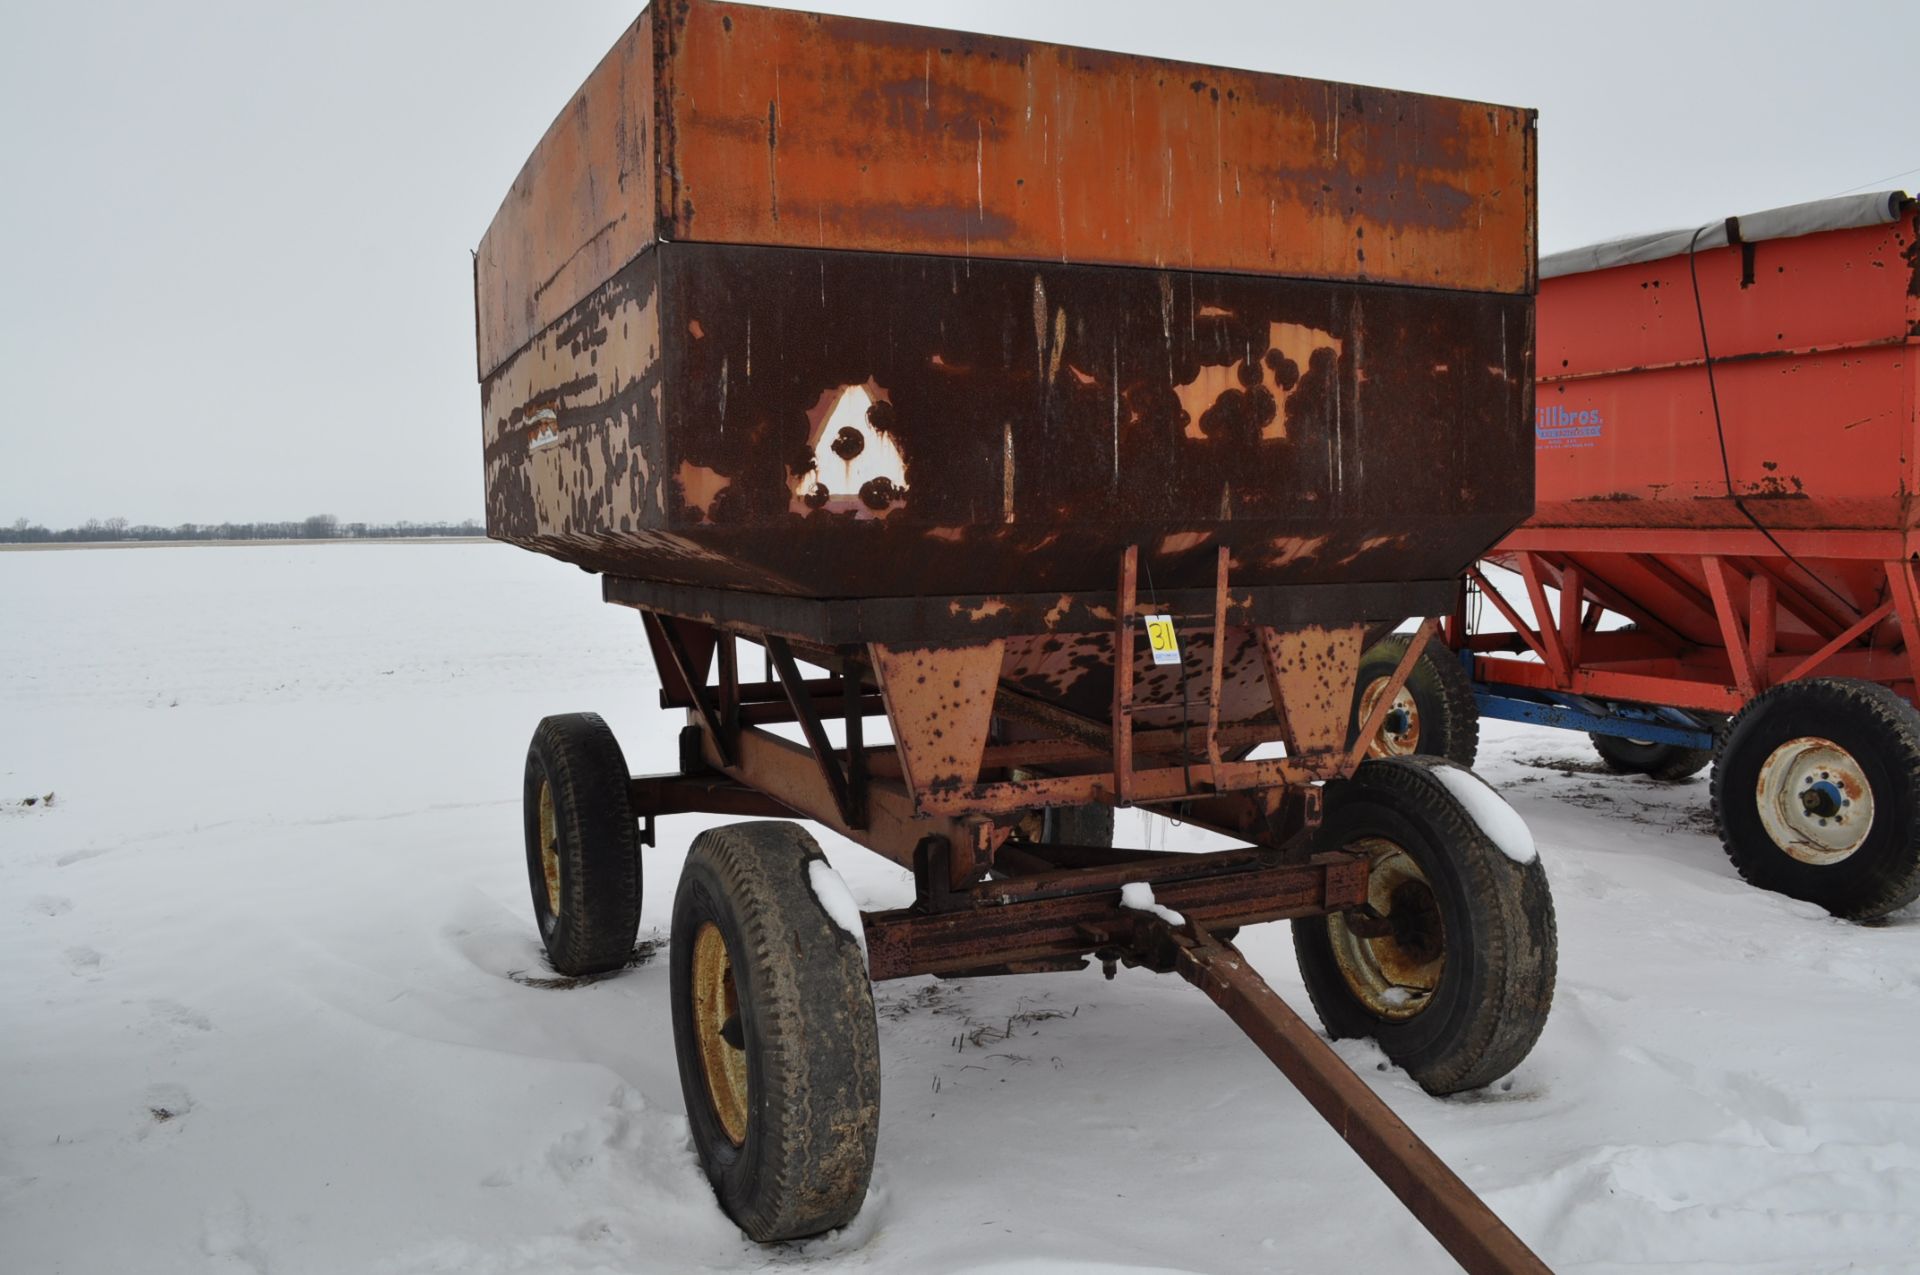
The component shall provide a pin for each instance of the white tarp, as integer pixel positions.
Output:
(1845, 213)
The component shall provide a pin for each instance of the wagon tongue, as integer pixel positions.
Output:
(1470, 1231)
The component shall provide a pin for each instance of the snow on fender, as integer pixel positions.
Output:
(1490, 810)
(836, 900)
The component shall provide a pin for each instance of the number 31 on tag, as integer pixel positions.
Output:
(1161, 637)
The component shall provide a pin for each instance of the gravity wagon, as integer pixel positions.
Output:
(1051, 430)
(1720, 567)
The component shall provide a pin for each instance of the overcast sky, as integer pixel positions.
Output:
(235, 284)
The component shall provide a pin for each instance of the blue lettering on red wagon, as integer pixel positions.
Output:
(1556, 426)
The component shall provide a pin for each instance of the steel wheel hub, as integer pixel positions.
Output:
(550, 848)
(719, 1032)
(1814, 800)
(1392, 960)
(1399, 733)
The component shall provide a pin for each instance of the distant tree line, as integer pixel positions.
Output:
(318, 527)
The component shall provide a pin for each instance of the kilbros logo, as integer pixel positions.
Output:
(1555, 426)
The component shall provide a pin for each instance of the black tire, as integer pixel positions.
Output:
(1445, 721)
(578, 814)
(1668, 763)
(801, 1034)
(1489, 963)
(1879, 734)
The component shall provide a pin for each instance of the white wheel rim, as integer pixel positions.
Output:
(1814, 800)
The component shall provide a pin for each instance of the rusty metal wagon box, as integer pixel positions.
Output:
(944, 368)
(829, 308)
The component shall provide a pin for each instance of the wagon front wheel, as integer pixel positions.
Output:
(1450, 966)
(1817, 795)
(583, 844)
(773, 1029)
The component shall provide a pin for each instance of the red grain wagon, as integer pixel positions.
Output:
(1727, 457)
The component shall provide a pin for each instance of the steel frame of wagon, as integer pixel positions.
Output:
(1750, 585)
(989, 901)
(923, 783)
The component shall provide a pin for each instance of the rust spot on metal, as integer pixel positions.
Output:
(1245, 400)
(700, 487)
(1373, 544)
(852, 464)
(986, 610)
(848, 443)
(1182, 541)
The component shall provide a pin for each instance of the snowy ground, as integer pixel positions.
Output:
(270, 998)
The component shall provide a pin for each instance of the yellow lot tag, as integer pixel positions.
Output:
(1163, 640)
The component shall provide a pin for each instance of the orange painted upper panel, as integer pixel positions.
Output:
(790, 128)
(782, 128)
(581, 208)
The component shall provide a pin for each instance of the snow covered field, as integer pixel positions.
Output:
(270, 996)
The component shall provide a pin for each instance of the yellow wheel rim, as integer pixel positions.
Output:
(1394, 969)
(550, 848)
(718, 1028)
(1399, 734)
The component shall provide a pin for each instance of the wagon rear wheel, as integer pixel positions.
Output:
(1451, 966)
(1817, 795)
(774, 1031)
(583, 844)
(1433, 715)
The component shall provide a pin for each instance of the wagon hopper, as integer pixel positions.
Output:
(990, 434)
(1728, 459)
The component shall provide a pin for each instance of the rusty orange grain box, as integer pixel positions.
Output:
(813, 306)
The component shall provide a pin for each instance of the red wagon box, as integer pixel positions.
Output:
(1809, 420)
(1728, 456)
